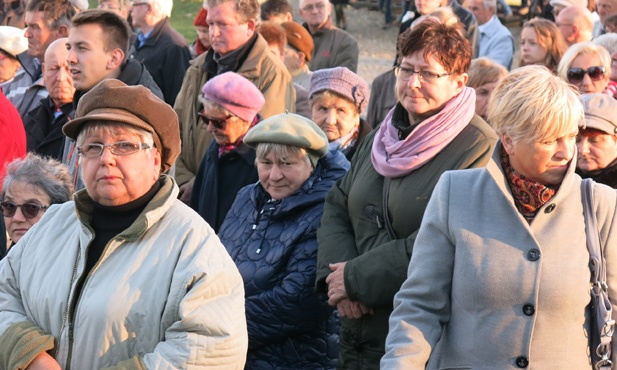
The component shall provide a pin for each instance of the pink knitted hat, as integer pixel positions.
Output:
(236, 94)
(343, 82)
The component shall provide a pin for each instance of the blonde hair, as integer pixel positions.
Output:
(533, 104)
(484, 71)
(580, 49)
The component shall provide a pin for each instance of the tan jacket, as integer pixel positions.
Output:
(486, 290)
(260, 67)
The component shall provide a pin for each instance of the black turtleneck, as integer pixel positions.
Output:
(607, 175)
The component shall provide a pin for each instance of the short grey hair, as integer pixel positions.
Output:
(608, 41)
(490, 4)
(47, 174)
(246, 10)
(284, 151)
(162, 7)
(113, 128)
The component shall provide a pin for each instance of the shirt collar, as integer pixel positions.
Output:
(491, 23)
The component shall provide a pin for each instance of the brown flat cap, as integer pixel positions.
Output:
(112, 100)
(299, 38)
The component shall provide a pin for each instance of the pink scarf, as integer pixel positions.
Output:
(392, 157)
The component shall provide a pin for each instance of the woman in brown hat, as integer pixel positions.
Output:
(125, 275)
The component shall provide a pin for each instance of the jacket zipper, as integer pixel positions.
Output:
(66, 311)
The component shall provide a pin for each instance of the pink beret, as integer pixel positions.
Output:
(236, 94)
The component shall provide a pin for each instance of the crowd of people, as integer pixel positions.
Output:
(245, 199)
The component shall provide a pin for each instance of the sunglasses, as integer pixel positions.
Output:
(576, 75)
(29, 210)
(217, 123)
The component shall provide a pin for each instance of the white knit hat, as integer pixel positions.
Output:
(12, 40)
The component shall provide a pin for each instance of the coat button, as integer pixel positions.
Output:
(522, 361)
(533, 254)
(528, 309)
(550, 208)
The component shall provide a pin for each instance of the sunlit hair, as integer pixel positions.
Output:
(580, 49)
(443, 14)
(116, 30)
(161, 7)
(246, 10)
(328, 96)
(43, 173)
(113, 129)
(57, 13)
(274, 34)
(608, 41)
(550, 38)
(534, 105)
(484, 71)
(446, 44)
(282, 151)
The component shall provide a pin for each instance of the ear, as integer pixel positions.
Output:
(301, 58)
(288, 17)
(252, 26)
(157, 164)
(62, 31)
(508, 144)
(117, 57)
(461, 81)
(575, 30)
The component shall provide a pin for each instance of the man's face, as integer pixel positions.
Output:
(315, 12)
(57, 75)
(87, 58)
(606, 8)
(38, 33)
(565, 23)
(227, 33)
(139, 10)
(478, 9)
(114, 6)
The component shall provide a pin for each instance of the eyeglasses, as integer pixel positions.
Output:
(428, 76)
(217, 123)
(318, 6)
(120, 148)
(29, 210)
(576, 75)
(138, 4)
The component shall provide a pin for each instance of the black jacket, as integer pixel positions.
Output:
(166, 55)
(44, 131)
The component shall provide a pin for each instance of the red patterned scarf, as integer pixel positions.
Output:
(529, 195)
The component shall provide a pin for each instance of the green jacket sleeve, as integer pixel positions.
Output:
(21, 343)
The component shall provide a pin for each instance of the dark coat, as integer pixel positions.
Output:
(166, 55)
(607, 175)
(44, 131)
(365, 129)
(274, 245)
(218, 180)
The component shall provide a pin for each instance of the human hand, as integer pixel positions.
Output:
(185, 192)
(44, 361)
(336, 283)
(352, 310)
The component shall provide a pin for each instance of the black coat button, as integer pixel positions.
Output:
(529, 309)
(533, 254)
(550, 208)
(522, 361)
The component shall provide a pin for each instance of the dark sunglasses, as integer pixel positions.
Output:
(217, 123)
(576, 75)
(29, 210)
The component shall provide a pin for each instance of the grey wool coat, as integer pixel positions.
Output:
(487, 290)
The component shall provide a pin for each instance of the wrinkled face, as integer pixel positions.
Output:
(21, 193)
(281, 177)
(113, 180)
(39, 34)
(228, 130)
(57, 76)
(335, 116)
(587, 85)
(423, 98)
(139, 10)
(227, 33)
(426, 6)
(87, 58)
(203, 34)
(596, 150)
(545, 162)
(315, 12)
(606, 8)
(478, 9)
(483, 94)
(8, 66)
(531, 51)
(115, 7)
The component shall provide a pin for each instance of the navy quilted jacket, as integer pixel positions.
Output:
(274, 245)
